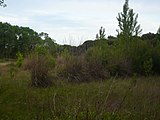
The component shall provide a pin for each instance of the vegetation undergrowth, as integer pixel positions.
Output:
(134, 98)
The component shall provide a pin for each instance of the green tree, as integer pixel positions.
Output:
(128, 22)
(48, 42)
(14, 39)
(101, 34)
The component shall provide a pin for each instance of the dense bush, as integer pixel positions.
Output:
(97, 59)
(156, 58)
(122, 58)
(109, 59)
(72, 68)
(137, 52)
(39, 65)
(90, 66)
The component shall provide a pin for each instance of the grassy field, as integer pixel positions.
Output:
(115, 99)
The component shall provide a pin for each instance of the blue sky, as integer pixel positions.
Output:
(74, 21)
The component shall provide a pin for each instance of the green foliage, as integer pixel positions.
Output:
(90, 66)
(128, 22)
(148, 65)
(48, 43)
(41, 50)
(101, 34)
(19, 61)
(98, 54)
(122, 58)
(135, 52)
(66, 54)
(118, 59)
(138, 52)
(151, 38)
(156, 58)
(97, 60)
(16, 39)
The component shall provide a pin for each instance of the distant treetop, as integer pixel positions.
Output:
(127, 20)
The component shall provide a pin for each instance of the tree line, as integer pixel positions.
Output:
(14, 39)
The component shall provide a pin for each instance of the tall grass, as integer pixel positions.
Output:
(113, 99)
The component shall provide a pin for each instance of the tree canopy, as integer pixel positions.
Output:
(14, 39)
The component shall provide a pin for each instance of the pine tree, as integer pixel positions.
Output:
(101, 34)
(128, 22)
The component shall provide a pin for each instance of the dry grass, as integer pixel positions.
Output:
(39, 69)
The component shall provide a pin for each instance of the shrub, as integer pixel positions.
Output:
(19, 60)
(87, 67)
(122, 58)
(131, 57)
(103, 60)
(156, 58)
(97, 61)
(118, 63)
(148, 65)
(39, 66)
(71, 67)
(139, 54)
(108, 60)
(39, 72)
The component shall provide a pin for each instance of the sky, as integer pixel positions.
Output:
(75, 21)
